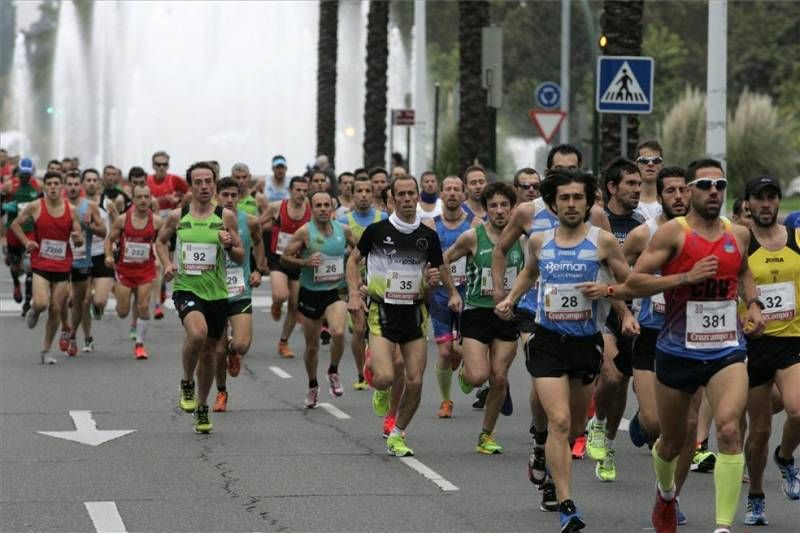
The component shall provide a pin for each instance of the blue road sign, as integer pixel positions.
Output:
(624, 84)
(548, 94)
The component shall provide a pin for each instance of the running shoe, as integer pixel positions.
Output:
(97, 312)
(221, 403)
(276, 310)
(389, 422)
(360, 384)
(579, 447)
(312, 398)
(63, 340)
(325, 336)
(596, 443)
(703, 460)
(46, 359)
(234, 364)
(466, 388)
(537, 466)
(17, 293)
(790, 486)
(508, 406)
(487, 445)
(756, 511)
(549, 500)
(88, 344)
(25, 308)
(445, 409)
(664, 517)
(158, 313)
(72, 348)
(396, 445)
(569, 517)
(284, 350)
(187, 400)
(480, 397)
(682, 521)
(139, 351)
(606, 470)
(132, 333)
(335, 385)
(202, 423)
(639, 436)
(380, 401)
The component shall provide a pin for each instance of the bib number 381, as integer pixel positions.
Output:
(711, 325)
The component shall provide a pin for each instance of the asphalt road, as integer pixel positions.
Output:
(272, 465)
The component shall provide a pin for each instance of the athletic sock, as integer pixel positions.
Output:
(333, 369)
(141, 329)
(599, 422)
(396, 431)
(444, 377)
(222, 388)
(28, 287)
(728, 472)
(313, 383)
(540, 438)
(610, 444)
(665, 475)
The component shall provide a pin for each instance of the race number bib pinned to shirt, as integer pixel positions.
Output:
(136, 252)
(779, 301)
(402, 288)
(458, 271)
(283, 242)
(487, 287)
(329, 269)
(566, 302)
(198, 258)
(658, 304)
(56, 250)
(234, 278)
(78, 252)
(711, 325)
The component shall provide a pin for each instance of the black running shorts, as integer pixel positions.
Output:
(551, 355)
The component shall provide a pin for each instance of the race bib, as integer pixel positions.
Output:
(329, 269)
(136, 252)
(198, 258)
(711, 325)
(283, 241)
(50, 249)
(402, 288)
(486, 280)
(78, 252)
(566, 302)
(658, 304)
(779, 301)
(458, 271)
(234, 278)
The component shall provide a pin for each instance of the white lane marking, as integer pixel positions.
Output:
(281, 373)
(427, 473)
(105, 517)
(335, 411)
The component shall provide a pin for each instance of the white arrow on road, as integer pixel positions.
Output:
(86, 431)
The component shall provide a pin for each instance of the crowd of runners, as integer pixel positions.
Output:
(594, 280)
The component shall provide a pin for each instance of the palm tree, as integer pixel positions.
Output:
(473, 114)
(621, 23)
(326, 78)
(375, 104)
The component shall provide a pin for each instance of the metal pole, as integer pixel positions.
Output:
(420, 92)
(391, 143)
(436, 124)
(716, 84)
(408, 151)
(493, 138)
(623, 136)
(563, 133)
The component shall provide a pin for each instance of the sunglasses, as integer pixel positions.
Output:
(705, 184)
(165, 165)
(526, 186)
(654, 160)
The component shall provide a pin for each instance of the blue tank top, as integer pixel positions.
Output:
(329, 274)
(543, 220)
(82, 257)
(651, 311)
(238, 276)
(561, 307)
(447, 237)
(471, 213)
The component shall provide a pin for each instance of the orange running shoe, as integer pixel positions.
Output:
(284, 350)
(388, 425)
(276, 311)
(221, 404)
(158, 313)
(446, 409)
(140, 352)
(63, 340)
(579, 448)
(234, 364)
(72, 349)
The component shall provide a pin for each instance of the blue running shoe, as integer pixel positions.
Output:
(681, 517)
(508, 405)
(569, 517)
(756, 513)
(639, 436)
(790, 485)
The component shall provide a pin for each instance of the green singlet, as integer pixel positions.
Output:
(248, 205)
(200, 256)
(479, 271)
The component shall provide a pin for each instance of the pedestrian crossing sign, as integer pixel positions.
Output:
(624, 84)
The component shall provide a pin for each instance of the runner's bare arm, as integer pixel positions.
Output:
(353, 275)
(96, 225)
(229, 237)
(296, 244)
(612, 255)
(635, 244)
(76, 234)
(116, 230)
(258, 244)
(465, 245)
(530, 272)
(162, 243)
(520, 220)
(29, 214)
(599, 218)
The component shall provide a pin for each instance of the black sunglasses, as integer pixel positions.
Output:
(645, 160)
(705, 184)
(526, 186)
(165, 165)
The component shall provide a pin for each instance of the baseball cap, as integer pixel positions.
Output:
(26, 166)
(757, 184)
(792, 220)
(278, 160)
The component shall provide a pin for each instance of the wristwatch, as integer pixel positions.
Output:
(756, 301)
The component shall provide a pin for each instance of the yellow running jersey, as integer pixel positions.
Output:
(777, 275)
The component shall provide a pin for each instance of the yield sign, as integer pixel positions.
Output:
(547, 122)
(86, 431)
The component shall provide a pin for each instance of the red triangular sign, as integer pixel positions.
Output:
(547, 122)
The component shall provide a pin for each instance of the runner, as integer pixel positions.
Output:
(449, 225)
(399, 252)
(240, 280)
(276, 188)
(346, 203)
(380, 182)
(113, 189)
(317, 249)
(200, 294)
(55, 225)
(474, 182)
(565, 355)
(135, 266)
(774, 259)
(650, 160)
(489, 344)
(430, 205)
(527, 183)
(702, 261)
(283, 218)
(251, 201)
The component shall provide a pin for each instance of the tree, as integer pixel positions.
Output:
(473, 115)
(326, 78)
(376, 84)
(621, 23)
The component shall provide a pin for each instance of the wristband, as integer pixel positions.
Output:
(756, 301)
(610, 291)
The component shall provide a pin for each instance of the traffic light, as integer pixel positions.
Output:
(603, 41)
